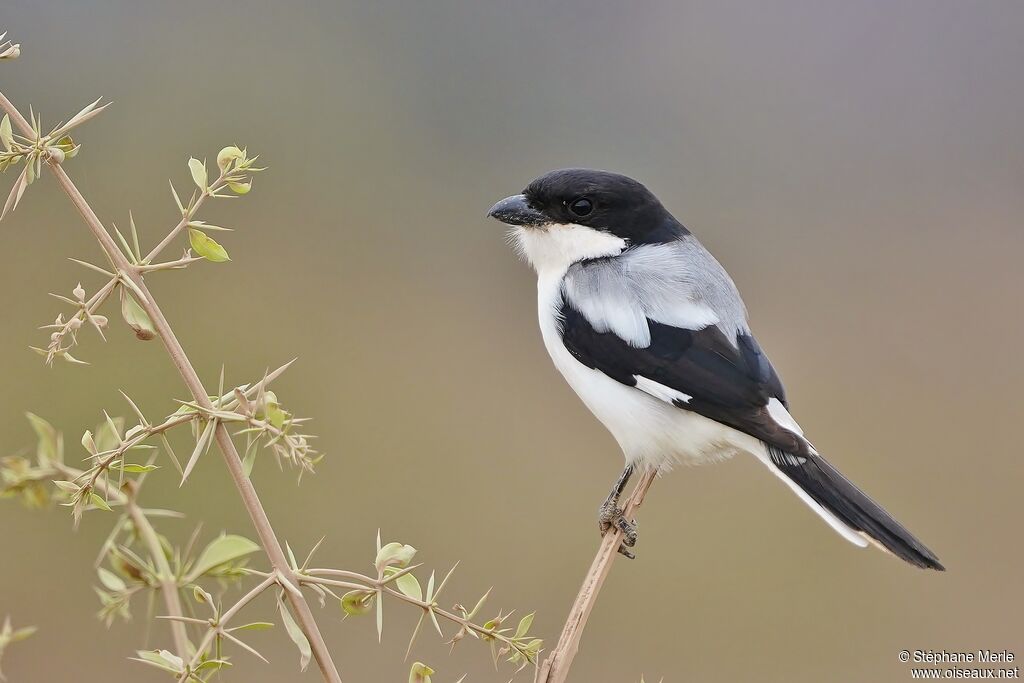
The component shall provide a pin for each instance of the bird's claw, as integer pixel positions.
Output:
(607, 514)
(610, 518)
(628, 528)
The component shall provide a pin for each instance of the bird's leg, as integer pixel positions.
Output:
(610, 510)
(609, 515)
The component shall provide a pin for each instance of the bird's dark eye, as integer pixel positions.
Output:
(581, 206)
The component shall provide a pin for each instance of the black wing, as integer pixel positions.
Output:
(728, 383)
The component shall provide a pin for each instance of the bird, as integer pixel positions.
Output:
(650, 331)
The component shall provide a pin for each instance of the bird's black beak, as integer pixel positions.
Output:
(515, 210)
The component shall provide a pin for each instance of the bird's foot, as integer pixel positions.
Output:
(610, 518)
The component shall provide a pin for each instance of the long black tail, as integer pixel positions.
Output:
(837, 494)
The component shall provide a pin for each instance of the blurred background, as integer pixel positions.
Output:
(858, 167)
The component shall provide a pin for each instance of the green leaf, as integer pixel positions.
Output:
(272, 410)
(88, 443)
(220, 551)
(111, 580)
(524, 625)
(291, 556)
(162, 659)
(67, 486)
(358, 602)
(136, 317)
(206, 246)
(297, 636)
(46, 449)
(408, 584)
(213, 665)
(108, 433)
(276, 416)
(420, 673)
(240, 188)
(254, 626)
(248, 461)
(131, 468)
(6, 134)
(198, 170)
(99, 502)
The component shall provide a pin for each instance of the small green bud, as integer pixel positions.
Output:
(228, 155)
(357, 603)
(420, 673)
(394, 554)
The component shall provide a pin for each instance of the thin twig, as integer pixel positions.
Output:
(303, 614)
(186, 218)
(168, 586)
(218, 627)
(555, 667)
(168, 582)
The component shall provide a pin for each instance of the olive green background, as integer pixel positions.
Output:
(858, 167)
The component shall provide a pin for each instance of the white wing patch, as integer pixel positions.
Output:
(778, 412)
(681, 313)
(660, 391)
(677, 284)
(606, 301)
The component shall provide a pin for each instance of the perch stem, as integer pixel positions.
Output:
(555, 667)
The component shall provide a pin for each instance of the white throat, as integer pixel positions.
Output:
(551, 249)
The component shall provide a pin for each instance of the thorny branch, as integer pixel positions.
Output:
(218, 627)
(133, 278)
(17, 475)
(253, 408)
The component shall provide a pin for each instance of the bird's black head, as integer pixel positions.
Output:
(600, 200)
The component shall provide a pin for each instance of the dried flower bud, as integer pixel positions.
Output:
(136, 317)
(79, 292)
(57, 155)
(100, 320)
(127, 568)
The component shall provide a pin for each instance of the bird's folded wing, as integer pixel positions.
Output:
(649, 328)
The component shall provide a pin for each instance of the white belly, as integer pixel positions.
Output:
(649, 431)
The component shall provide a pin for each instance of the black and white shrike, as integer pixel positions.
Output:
(649, 330)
